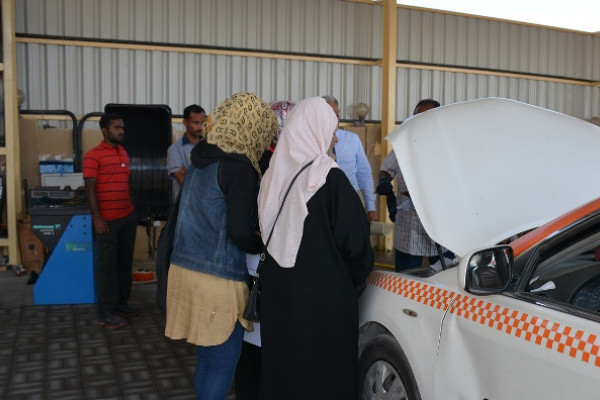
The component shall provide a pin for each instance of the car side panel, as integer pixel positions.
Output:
(501, 347)
(388, 299)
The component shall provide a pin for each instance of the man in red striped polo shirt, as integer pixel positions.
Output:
(106, 174)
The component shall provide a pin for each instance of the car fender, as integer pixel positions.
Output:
(411, 309)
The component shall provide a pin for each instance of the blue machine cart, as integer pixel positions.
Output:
(68, 274)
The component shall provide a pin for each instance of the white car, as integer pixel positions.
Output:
(516, 321)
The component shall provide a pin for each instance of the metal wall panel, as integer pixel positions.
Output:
(329, 27)
(83, 79)
(446, 87)
(446, 39)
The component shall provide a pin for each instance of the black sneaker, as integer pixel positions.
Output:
(111, 321)
(126, 311)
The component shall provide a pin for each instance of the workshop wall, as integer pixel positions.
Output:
(449, 57)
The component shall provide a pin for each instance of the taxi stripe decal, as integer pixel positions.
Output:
(417, 291)
(551, 335)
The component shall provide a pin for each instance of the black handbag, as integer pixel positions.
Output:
(252, 309)
(251, 312)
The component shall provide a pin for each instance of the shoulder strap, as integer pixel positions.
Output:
(283, 202)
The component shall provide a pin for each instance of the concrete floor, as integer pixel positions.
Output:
(60, 352)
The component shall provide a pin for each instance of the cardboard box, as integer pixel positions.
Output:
(32, 249)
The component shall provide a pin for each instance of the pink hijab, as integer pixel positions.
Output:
(306, 137)
(281, 110)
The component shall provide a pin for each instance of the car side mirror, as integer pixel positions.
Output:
(487, 271)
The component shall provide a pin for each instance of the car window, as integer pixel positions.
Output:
(569, 273)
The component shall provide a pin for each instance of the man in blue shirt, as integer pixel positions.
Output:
(178, 154)
(350, 156)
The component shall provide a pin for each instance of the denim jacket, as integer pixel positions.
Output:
(201, 242)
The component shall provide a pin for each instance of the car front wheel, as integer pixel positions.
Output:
(384, 373)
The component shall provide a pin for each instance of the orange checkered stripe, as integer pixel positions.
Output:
(416, 291)
(576, 343)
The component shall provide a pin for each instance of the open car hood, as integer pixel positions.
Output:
(481, 171)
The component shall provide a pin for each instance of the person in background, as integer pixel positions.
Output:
(350, 156)
(207, 283)
(178, 153)
(281, 110)
(247, 372)
(411, 242)
(178, 162)
(318, 255)
(106, 175)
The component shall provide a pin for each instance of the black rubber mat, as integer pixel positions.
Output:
(148, 135)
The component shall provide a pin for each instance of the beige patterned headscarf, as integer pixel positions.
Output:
(242, 124)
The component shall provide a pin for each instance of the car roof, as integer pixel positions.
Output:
(537, 235)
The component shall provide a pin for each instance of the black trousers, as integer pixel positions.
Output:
(113, 253)
(247, 373)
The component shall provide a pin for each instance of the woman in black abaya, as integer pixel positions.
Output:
(318, 254)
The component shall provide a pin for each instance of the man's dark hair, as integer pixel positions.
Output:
(433, 103)
(194, 108)
(106, 118)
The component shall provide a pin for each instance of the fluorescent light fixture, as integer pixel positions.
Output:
(580, 15)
